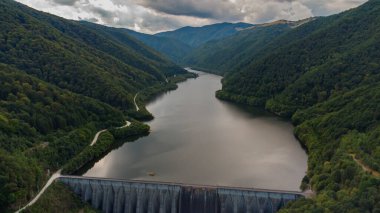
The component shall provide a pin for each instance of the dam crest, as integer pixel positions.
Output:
(124, 196)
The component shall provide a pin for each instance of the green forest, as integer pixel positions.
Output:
(106, 141)
(61, 82)
(42, 126)
(324, 76)
(187, 41)
(170, 47)
(60, 199)
(223, 55)
(82, 59)
(196, 36)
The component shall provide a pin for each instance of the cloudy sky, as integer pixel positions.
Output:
(152, 16)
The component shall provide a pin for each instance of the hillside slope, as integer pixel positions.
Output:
(171, 48)
(61, 82)
(78, 58)
(136, 41)
(236, 51)
(195, 36)
(41, 127)
(325, 75)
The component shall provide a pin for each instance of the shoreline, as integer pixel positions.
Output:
(93, 145)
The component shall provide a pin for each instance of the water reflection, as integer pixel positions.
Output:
(199, 139)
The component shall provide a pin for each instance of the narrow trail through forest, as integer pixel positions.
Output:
(58, 173)
(365, 167)
(134, 101)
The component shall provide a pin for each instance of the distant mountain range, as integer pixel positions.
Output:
(62, 81)
(171, 48)
(179, 43)
(196, 36)
(227, 54)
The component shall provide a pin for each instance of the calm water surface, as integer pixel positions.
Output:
(198, 139)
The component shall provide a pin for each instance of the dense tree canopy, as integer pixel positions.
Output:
(41, 127)
(325, 76)
(78, 57)
(61, 82)
(196, 36)
(231, 53)
(170, 47)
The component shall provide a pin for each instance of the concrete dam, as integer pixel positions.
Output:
(123, 196)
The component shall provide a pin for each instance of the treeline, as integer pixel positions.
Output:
(20, 178)
(105, 142)
(58, 198)
(62, 81)
(224, 55)
(85, 59)
(149, 93)
(171, 84)
(196, 36)
(41, 127)
(166, 46)
(324, 75)
(135, 129)
(170, 47)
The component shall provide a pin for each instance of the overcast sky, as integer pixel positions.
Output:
(152, 16)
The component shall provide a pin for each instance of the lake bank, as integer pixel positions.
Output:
(199, 139)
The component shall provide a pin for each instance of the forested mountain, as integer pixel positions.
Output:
(175, 45)
(195, 36)
(233, 52)
(61, 82)
(41, 127)
(325, 75)
(169, 47)
(78, 58)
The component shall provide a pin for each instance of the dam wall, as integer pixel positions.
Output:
(122, 196)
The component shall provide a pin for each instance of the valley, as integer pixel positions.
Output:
(191, 142)
(283, 105)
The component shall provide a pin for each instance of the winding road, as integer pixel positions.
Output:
(50, 181)
(127, 123)
(134, 101)
(58, 173)
(97, 136)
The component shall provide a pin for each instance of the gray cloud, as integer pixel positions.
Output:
(151, 16)
(102, 13)
(65, 2)
(328, 7)
(93, 20)
(203, 9)
(149, 22)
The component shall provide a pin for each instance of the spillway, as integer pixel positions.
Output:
(122, 196)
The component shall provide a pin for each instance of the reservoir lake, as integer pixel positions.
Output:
(197, 139)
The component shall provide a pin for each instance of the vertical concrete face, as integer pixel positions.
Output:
(114, 196)
(202, 200)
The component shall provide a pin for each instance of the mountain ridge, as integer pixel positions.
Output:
(195, 36)
(221, 56)
(60, 83)
(171, 48)
(324, 76)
